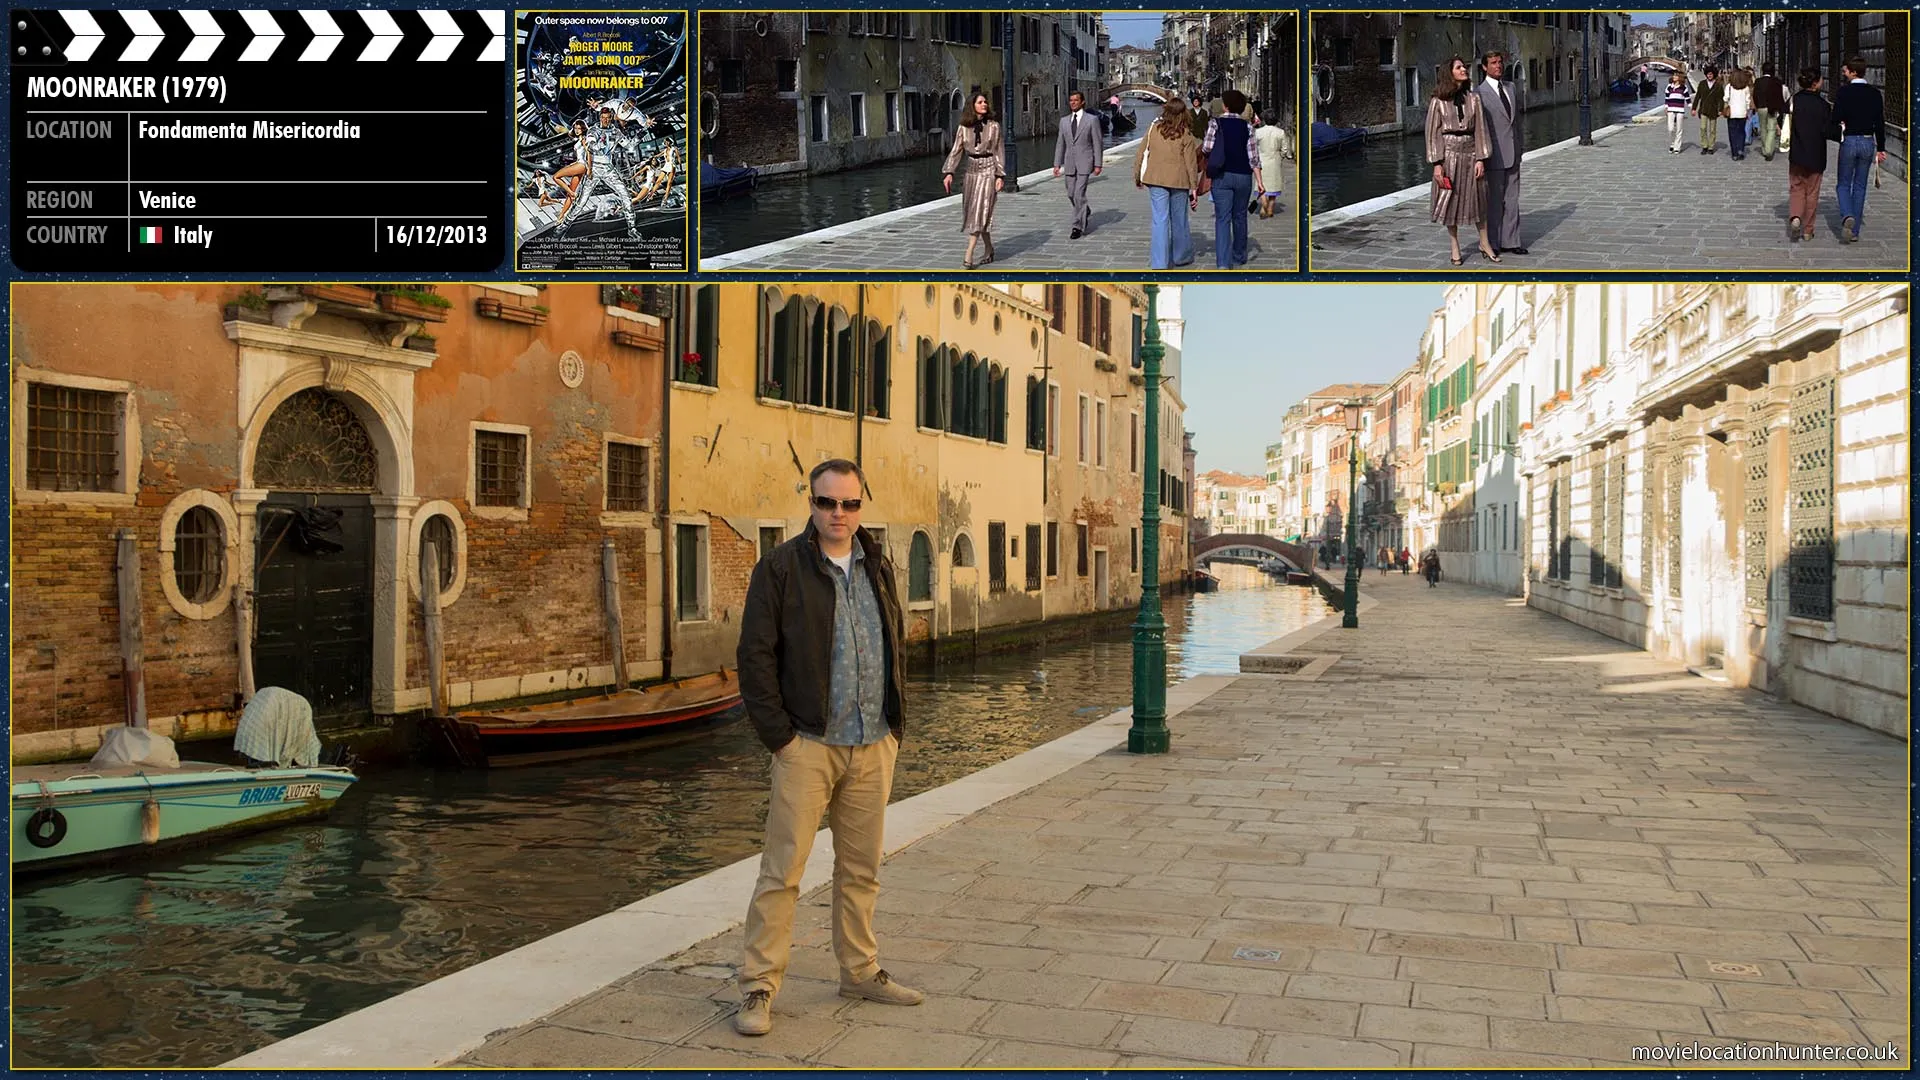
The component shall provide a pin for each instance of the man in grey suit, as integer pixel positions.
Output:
(1077, 151)
(1500, 104)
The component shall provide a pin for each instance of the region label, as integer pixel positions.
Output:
(265, 141)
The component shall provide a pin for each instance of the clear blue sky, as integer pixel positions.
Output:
(1251, 351)
(1139, 28)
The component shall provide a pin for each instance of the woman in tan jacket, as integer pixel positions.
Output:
(1167, 165)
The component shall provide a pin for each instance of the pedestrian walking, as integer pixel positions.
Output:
(1860, 112)
(1430, 568)
(1501, 105)
(1406, 561)
(1811, 126)
(1077, 154)
(1710, 104)
(1275, 146)
(822, 675)
(977, 142)
(1458, 145)
(1739, 107)
(1679, 103)
(1770, 100)
(1233, 164)
(1167, 167)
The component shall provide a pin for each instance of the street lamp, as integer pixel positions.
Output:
(1148, 735)
(1356, 419)
(1586, 79)
(1008, 126)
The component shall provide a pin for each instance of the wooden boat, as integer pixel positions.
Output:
(65, 815)
(597, 724)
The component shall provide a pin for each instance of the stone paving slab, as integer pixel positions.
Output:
(1032, 231)
(1476, 735)
(1626, 203)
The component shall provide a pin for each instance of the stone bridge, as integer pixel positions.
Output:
(1667, 62)
(1252, 547)
(1158, 93)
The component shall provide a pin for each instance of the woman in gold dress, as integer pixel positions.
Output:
(977, 141)
(1458, 145)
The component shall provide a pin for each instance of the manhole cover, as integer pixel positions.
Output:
(1266, 956)
(1728, 967)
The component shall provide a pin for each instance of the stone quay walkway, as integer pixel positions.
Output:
(1465, 834)
(1031, 232)
(1625, 203)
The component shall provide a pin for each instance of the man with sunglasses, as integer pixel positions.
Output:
(821, 674)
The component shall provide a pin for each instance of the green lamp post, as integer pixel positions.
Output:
(1148, 735)
(1356, 418)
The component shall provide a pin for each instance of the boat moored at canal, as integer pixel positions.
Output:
(598, 724)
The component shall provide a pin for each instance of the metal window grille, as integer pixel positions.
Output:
(920, 568)
(1053, 549)
(626, 477)
(690, 554)
(1810, 501)
(1649, 473)
(1676, 479)
(1616, 515)
(1596, 520)
(1553, 525)
(771, 536)
(313, 442)
(1081, 542)
(73, 438)
(1566, 521)
(438, 533)
(1754, 525)
(996, 556)
(199, 555)
(1033, 558)
(499, 463)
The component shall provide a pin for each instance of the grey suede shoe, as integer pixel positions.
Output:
(756, 1013)
(883, 989)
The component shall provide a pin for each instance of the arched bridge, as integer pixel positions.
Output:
(1158, 93)
(1667, 62)
(1252, 547)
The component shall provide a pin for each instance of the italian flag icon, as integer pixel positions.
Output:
(150, 234)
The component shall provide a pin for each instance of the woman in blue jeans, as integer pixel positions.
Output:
(1167, 166)
(1859, 112)
(1233, 161)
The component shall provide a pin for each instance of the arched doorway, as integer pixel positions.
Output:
(314, 554)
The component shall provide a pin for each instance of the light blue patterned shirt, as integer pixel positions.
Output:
(857, 699)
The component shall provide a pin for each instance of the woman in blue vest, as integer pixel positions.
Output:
(1233, 162)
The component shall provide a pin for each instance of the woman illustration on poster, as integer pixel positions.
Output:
(581, 166)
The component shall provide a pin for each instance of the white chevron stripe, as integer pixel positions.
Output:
(87, 35)
(446, 35)
(206, 36)
(326, 35)
(267, 36)
(147, 36)
(387, 35)
(496, 49)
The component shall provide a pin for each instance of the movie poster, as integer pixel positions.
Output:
(601, 130)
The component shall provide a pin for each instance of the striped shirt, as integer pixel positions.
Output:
(1679, 97)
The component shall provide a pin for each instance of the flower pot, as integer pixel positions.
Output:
(243, 313)
(351, 295)
(1564, 395)
(420, 344)
(409, 308)
(633, 340)
(495, 308)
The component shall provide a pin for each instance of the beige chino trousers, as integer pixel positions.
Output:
(851, 785)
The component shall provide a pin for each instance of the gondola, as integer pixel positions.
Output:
(717, 182)
(1330, 141)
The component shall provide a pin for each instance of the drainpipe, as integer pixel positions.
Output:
(860, 375)
(1046, 429)
(675, 338)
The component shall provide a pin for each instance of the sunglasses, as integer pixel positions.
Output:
(828, 502)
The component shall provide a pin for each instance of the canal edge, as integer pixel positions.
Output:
(439, 1022)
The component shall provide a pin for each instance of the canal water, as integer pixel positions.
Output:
(780, 208)
(1387, 165)
(196, 960)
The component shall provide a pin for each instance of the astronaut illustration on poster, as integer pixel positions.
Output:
(601, 141)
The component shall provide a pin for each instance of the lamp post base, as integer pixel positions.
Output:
(1147, 741)
(1350, 618)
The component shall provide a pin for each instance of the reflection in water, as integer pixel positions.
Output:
(780, 208)
(1386, 165)
(194, 960)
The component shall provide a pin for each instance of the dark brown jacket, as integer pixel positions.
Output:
(786, 639)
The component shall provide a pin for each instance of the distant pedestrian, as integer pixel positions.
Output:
(1770, 99)
(1167, 167)
(1274, 145)
(1710, 104)
(1406, 560)
(1739, 107)
(977, 142)
(821, 663)
(1812, 125)
(1233, 164)
(1430, 568)
(1859, 110)
(1679, 103)
(1458, 145)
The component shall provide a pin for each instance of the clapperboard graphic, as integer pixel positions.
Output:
(258, 140)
